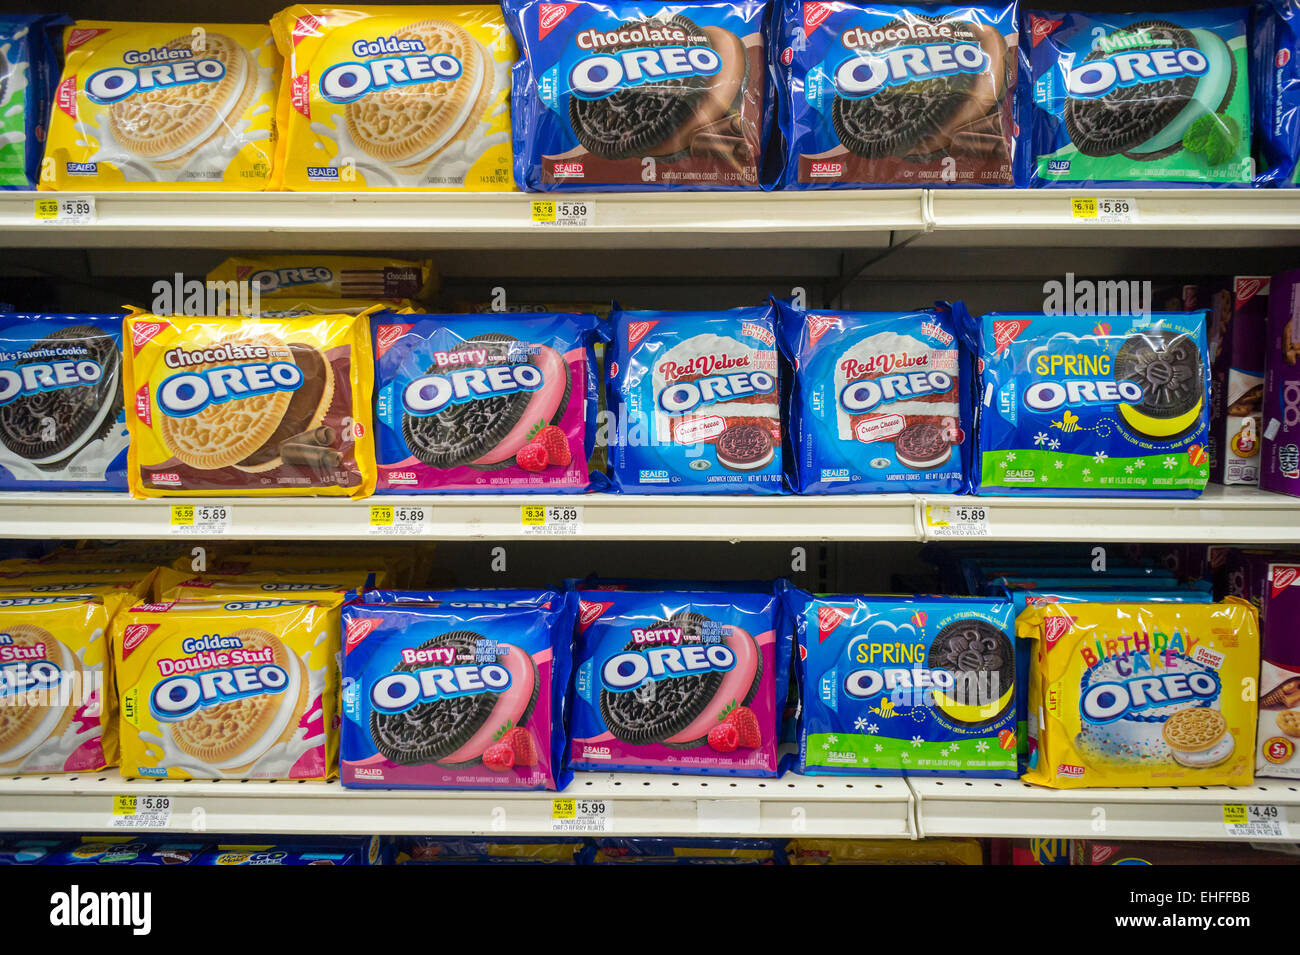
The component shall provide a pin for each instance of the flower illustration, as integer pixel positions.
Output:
(917, 741)
(1059, 465)
(1171, 463)
(860, 723)
(1087, 471)
(1011, 456)
(1040, 439)
(1054, 443)
(1100, 457)
(879, 748)
(982, 746)
(1139, 464)
(1128, 469)
(873, 728)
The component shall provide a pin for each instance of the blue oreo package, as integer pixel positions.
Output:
(919, 95)
(696, 402)
(62, 419)
(1098, 407)
(30, 48)
(1158, 99)
(880, 402)
(1275, 82)
(905, 686)
(627, 95)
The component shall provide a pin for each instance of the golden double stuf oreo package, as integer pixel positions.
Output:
(163, 106)
(241, 689)
(249, 406)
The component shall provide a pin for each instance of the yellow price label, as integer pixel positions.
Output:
(124, 805)
(1234, 814)
(182, 515)
(381, 515)
(931, 516)
(543, 210)
(1083, 208)
(47, 208)
(563, 809)
(533, 515)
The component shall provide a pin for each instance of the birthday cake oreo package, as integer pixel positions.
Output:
(1152, 99)
(879, 401)
(1097, 407)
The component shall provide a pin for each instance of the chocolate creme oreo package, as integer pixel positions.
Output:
(885, 95)
(631, 95)
(1157, 99)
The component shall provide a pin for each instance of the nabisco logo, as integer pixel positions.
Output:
(1283, 577)
(300, 94)
(828, 618)
(1283, 57)
(135, 634)
(754, 330)
(589, 612)
(1100, 853)
(358, 629)
(66, 97)
(550, 15)
(825, 170)
(567, 170)
(814, 14)
(144, 332)
(79, 36)
(1054, 628)
(1041, 28)
(143, 409)
(1248, 286)
(305, 26)
(1005, 331)
(637, 331)
(787, 56)
(1069, 769)
(389, 335)
(819, 325)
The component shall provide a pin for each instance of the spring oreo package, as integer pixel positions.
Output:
(879, 402)
(630, 94)
(462, 694)
(62, 424)
(1140, 98)
(696, 402)
(679, 682)
(475, 403)
(885, 95)
(1115, 406)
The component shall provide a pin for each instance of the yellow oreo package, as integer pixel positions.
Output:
(163, 106)
(1158, 694)
(236, 406)
(884, 852)
(56, 687)
(396, 97)
(182, 585)
(242, 688)
(115, 594)
(321, 277)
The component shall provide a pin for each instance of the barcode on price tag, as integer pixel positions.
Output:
(201, 520)
(398, 520)
(581, 815)
(1104, 209)
(67, 210)
(956, 520)
(549, 520)
(574, 213)
(140, 812)
(1255, 821)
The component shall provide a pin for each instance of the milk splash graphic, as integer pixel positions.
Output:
(13, 83)
(52, 756)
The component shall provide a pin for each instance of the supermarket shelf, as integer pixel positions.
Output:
(1012, 809)
(641, 805)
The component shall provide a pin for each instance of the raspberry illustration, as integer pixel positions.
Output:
(499, 757)
(532, 457)
(724, 738)
(556, 444)
(746, 724)
(521, 744)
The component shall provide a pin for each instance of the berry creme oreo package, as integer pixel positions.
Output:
(679, 682)
(696, 402)
(879, 401)
(478, 403)
(62, 424)
(881, 95)
(1140, 98)
(629, 94)
(911, 686)
(1099, 407)
(461, 694)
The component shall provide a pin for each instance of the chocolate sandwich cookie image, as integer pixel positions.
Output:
(981, 659)
(1166, 366)
(745, 447)
(922, 445)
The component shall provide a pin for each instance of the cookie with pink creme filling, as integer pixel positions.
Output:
(512, 708)
(545, 406)
(738, 686)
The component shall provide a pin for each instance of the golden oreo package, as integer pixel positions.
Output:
(163, 106)
(1158, 694)
(56, 689)
(249, 406)
(183, 585)
(241, 688)
(397, 97)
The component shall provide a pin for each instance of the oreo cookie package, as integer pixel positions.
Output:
(456, 694)
(910, 686)
(478, 403)
(696, 402)
(29, 71)
(1275, 91)
(626, 94)
(679, 682)
(914, 95)
(62, 424)
(1097, 407)
(879, 401)
(1140, 98)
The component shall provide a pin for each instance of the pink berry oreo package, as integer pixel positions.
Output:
(484, 402)
(679, 682)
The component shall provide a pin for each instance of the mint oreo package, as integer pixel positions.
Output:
(1152, 99)
(29, 72)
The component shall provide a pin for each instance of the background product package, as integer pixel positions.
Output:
(879, 401)
(304, 277)
(394, 97)
(56, 683)
(1279, 683)
(632, 95)
(62, 424)
(482, 403)
(164, 106)
(1140, 98)
(456, 694)
(246, 689)
(1142, 694)
(679, 682)
(905, 686)
(1275, 90)
(250, 407)
(1237, 384)
(696, 402)
(29, 70)
(914, 95)
(1280, 464)
(1115, 406)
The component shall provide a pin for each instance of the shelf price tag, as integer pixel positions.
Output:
(956, 520)
(551, 520)
(398, 520)
(1105, 210)
(572, 213)
(66, 210)
(581, 815)
(140, 812)
(1255, 821)
(201, 520)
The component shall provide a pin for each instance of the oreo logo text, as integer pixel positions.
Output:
(398, 692)
(683, 396)
(112, 85)
(21, 677)
(1096, 78)
(868, 73)
(348, 82)
(864, 684)
(268, 280)
(627, 671)
(596, 77)
(432, 393)
(1107, 702)
(1050, 395)
(858, 397)
(190, 392)
(179, 696)
(47, 376)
